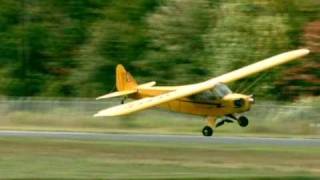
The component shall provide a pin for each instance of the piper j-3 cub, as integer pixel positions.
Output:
(211, 99)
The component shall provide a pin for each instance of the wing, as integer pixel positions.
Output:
(153, 101)
(261, 66)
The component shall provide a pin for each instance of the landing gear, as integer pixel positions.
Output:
(243, 121)
(207, 131)
(123, 100)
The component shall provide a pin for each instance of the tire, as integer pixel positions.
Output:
(207, 131)
(243, 121)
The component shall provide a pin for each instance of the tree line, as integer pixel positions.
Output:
(70, 48)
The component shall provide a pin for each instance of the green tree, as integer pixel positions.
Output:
(176, 30)
(39, 42)
(245, 33)
(120, 37)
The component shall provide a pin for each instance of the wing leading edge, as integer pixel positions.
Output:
(261, 66)
(196, 88)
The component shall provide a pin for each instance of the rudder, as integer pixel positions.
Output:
(124, 80)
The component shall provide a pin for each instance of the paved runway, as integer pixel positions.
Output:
(164, 138)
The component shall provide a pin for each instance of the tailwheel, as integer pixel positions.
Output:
(207, 131)
(243, 121)
(123, 100)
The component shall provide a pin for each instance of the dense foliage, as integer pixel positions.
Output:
(70, 48)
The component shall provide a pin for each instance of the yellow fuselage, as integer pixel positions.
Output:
(220, 107)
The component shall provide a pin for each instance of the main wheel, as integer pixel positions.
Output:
(243, 121)
(207, 131)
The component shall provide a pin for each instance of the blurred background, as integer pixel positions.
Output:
(65, 52)
(61, 48)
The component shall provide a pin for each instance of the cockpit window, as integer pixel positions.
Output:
(219, 91)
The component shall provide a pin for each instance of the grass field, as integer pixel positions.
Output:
(58, 158)
(76, 115)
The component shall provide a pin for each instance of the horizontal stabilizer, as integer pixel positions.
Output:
(117, 94)
(146, 85)
(126, 92)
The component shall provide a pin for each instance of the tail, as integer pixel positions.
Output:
(125, 84)
(124, 80)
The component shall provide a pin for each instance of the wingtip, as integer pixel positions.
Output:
(299, 52)
(307, 51)
(100, 115)
(98, 98)
(104, 113)
(101, 97)
(97, 115)
(104, 96)
(304, 51)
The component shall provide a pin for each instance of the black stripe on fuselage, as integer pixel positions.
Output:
(202, 103)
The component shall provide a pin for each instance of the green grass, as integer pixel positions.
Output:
(152, 121)
(76, 115)
(57, 158)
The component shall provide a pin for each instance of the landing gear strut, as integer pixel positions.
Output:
(223, 121)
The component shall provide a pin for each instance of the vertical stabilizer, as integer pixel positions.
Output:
(124, 79)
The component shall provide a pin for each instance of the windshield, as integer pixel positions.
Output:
(219, 91)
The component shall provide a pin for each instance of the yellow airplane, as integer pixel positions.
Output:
(211, 99)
